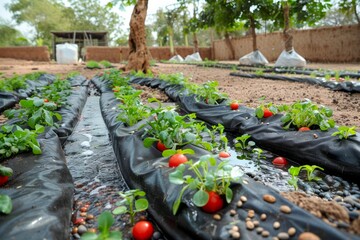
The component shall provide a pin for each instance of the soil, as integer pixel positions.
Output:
(248, 91)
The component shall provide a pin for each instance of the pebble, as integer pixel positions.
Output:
(308, 236)
(259, 230)
(74, 230)
(285, 209)
(263, 217)
(89, 217)
(342, 224)
(156, 235)
(276, 225)
(269, 198)
(82, 229)
(235, 228)
(251, 213)
(283, 236)
(217, 217)
(329, 179)
(243, 198)
(250, 225)
(76, 236)
(353, 215)
(265, 233)
(232, 212)
(291, 231)
(338, 198)
(239, 203)
(235, 235)
(256, 223)
(324, 187)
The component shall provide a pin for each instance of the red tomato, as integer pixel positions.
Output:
(3, 180)
(279, 161)
(214, 204)
(304, 129)
(177, 159)
(234, 106)
(267, 113)
(160, 146)
(46, 100)
(224, 154)
(143, 230)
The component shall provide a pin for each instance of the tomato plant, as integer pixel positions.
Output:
(307, 114)
(294, 172)
(279, 161)
(134, 201)
(143, 230)
(56, 92)
(214, 204)
(265, 110)
(209, 92)
(5, 173)
(14, 139)
(344, 132)
(244, 145)
(209, 176)
(105, 221)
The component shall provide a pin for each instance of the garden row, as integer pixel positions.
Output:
(250, 205)
(37, 196)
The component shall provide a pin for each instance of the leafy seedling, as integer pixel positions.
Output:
(105, 221)
(207, 176)
(344, 132)
(134, 201)
(244, 145)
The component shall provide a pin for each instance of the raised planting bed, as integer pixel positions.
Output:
(253, 205)
(39, 194)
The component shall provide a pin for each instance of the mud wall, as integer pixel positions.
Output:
(26, 53)
(118, 54)
(327, 44)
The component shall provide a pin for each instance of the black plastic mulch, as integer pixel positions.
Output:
(146, 169)
(346, 86)
(42, 188)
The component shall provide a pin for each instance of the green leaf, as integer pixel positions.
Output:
(200, 198)
(141, 204)
(105, 221)
(5, 171)
(115, 235)
(188, 151)
(119, 210)
(5, 204)
(259, 112)
(168, 152)
(38, 102)
(89, 236)
(26, 103)
(176, 177)
(228, 194)
(148, 142)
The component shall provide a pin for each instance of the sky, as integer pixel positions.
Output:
(27, 31)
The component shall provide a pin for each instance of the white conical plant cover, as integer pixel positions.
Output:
(254, 58)
(290, 59)
(195, 57)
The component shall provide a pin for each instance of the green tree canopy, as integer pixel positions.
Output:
(9, 36)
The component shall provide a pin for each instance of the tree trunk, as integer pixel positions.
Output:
(186, 39)
(138, 56)
(171, 41)
(288, 39)
(230, 46)
(253, 33)
(196, 43)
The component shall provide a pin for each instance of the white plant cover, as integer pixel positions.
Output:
(195, 57)
(66, 53)
(290, 59)
(254, 58)
(177, 58)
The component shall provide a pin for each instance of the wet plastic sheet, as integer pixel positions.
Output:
(347, 86)
(176, 58)
(146, 169)
(41, 190)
